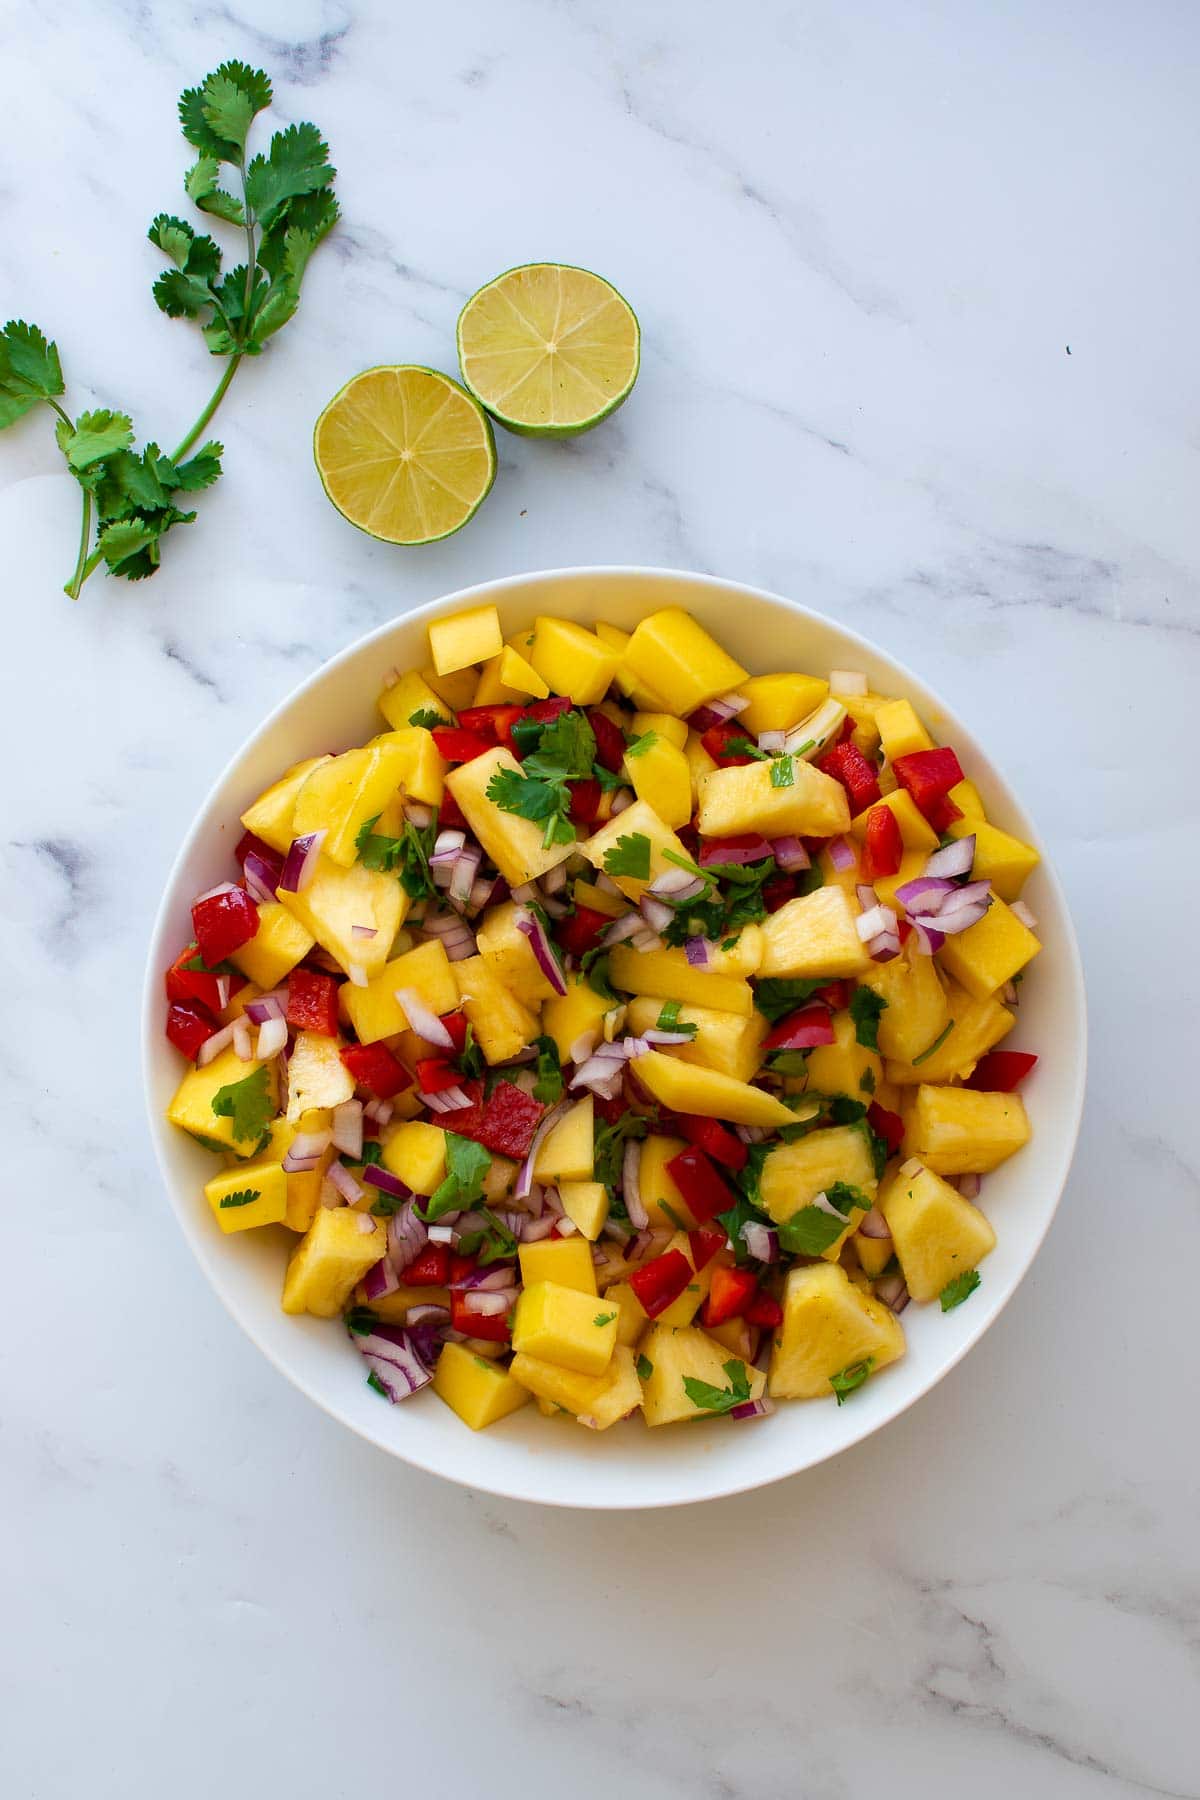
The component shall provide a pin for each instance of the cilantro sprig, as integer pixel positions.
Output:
(407, 855)
(706, 1398)
(248, 1104)
(284, 208)
(466, 1165)
(564, 751)
(847, 1380)
(958, 1289)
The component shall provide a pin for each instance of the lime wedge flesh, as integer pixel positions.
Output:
(550, 350)
(405, 453)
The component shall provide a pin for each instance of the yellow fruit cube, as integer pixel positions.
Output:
(191, 1105)
(303, 1185)
(492, 691)
(916, 833)
(680, 1354)
(794, 1174)
(990, 953)
(255, 1193)
(567, 1153)
(862, 709)
(673, 654)
(999, 858)
(971, 1028)
(699, 763)
(912, 864)
(416, 1152)
(777, 702)
(660, 1195)
(342, 794)
(638, 820)
(585, 1204)
(625, 680)
(667, 975)
(565, 1261)
(845, 1066)
(514, 844)
(394, 1307)
(689, 1088)
(509, 953)
(479, 1391)
(519, 675)
(900, 730)
(577, 1014)
(684, 1309)
(937, 1234)
(956, 1131)
(598, 900)
(574, 1392)
(409, 695)
(564, 1326)
(965, 795)
(317, 1076)
(421, 765)
(829, 1326)
(503, 1025)
(744, 799)
(330, 1260)
(660, 776)
(276, 947)
(663, 725)
(270, 816)
(465, 638)
(874, 1254)
(723, 1040)
(374, 1010)
(621, 1395)
(337, 899)
(631, 1314)
(456, 689)
(815, 935)
(916, 1013)
(572, 661)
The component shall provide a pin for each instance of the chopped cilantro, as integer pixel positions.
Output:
(490, 1244)
(677, 1222)
(779, 995)
(361, 1320)
(811, 1230)
(865, 1008)
(669, 1020)
(556, 751)
(610, 1145)
(548, 1087)
(372, 1153)
(246, 1196)
(603, 1319)
(707, 1398)
(566, 749)
(936, 1045)
(954, 1292)
(373, 1381)
(248, 1103)
(384, 1205)
(645, 1368)
(810, 880)
(197, 965)
(594, 967)
(866, 1081)
(610, 779)
(407, 855)
(783, 772)
(466, 1165)
(790, 1062)
(470, 1059)
(426, 717)
(640, 745)
(629, 856)
(741, 746)
(544, 802)
(846, 1380)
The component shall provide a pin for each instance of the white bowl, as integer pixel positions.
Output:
(528, 1457)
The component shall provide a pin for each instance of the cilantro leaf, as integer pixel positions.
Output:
(247, 1196)
(361, 1320)
(494, 1242)
(609, 1151)
(466, 1165)
(848, 1379)
(470, 1059)
(865, 1009)
(960, 1288)
(783, 772)
(866, 1081)
(93, 436)
(604, 1319)
(645, 1368)
(707, 1398)
(373, 1381)
(296, 163)
(629, 856)
(372, 1153)
(247, 1103)
(742, 746)
(548, 1088)
(778, 995)
(595, 966)
(669, 1020)
(528, 797)
(566, 749)
(29, 370)
(427, 718)
(811, 1230)
(202, 184)
(640, 745)
(937, 1043)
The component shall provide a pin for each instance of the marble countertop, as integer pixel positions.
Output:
(919, 290)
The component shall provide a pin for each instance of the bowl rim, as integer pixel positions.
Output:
(1066, 949)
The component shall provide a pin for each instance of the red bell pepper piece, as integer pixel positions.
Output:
(450, 815)
(716, 741)
(544, 711)
(704, 1242)
(764, 1309)
(731, 1292)
(223, 923)
(883, 848)
(887, 1125)
(715, 1139)
(458, 746)
(778, 891)
(504, 1123)
(802, 1030)
(661, 1281)
(847, 764)
(375, 1068)
(928, 775)
(184, 984)
(494, 1328)
(905, 930)
(835, 994)
(942, 814)
(610, 740)
(1000, 1071)
(312, 1002)
(702, 1188)
(479, 719)
(430, 1268)
(189, 1025)
(582, 930)
(456, 1024)
(585, 800)
(435, 1073)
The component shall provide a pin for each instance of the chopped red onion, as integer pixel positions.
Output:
(446, 846)
(752, 1409)
(772, 741)
(810, 736)
(969, 1186)
(555, 879)
(885, 947)
(224, 988)
(1020, 911)
(655, 1036)
(406, 1235)
(790, 854)
(698, 951)
(546, 1125)
(554, 908)
(1009, 994)
(874, 1225)
(631, 1191)
(726, 706)
(348, 1128)
(305, 1151)
(533, 1230)
(848, 683)
(418, 814)
(955, 917)
(751, 1134)
(379, 1112)
(622, 798)
(465, 871)
(928, 940)
(272, 1037)
(955, 859)
(734, 854)
(267, 1006)
(647, 940)
(607, 885)
(924, 895)
(892, 1291)
(356, 975)
(363, 931)
(300, 863)
(526, 894)
(443, 1234)
(451, 1099)
(567, 1227)
(427, 1314)
(623, 928)
(261, 877)
(422, 1020)
(222, 887)
(241, 1039)
(678, 885)
(841, 854)
(544, 952)
(213, 1046)
(380, 1279)
(345, 1184)
(489, 1305)
(877, 919)
(761, 1241)
(390, 1353)
(657, 914)
(824, 1204)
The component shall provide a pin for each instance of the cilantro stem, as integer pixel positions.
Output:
(218, 394)
(81, 571)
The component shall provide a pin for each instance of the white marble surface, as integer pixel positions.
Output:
(919, 290)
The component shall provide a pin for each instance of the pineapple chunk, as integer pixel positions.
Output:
(394, 1307)
(621, 1396)
(410, 695)
(724, 1040)
(815, 935)
(976, 1026)
(572, 661)
(699, 763)
(589, 1397)
(662, 724)
(956, 1131)
(862, 708)
(457, 690)
(900, 730)
(330, 1260)
(191, 1106)
(794, 1174)
(465, 638)
(317, 1076)
(631, 1314)
(916, 1013)
(688, 1088)
(679, 1354)
(667, 975)
(416, 1152)
(874, 1254)
(560, 1325)
(586, 1205)
(270, 816)
(493, 691)
(999, 858)
(567, 1153)
(276, 947)
(342, 794)
(337, 899)
(744, 799)
(661, 1198)
(737, 1337)
(990, 953)
(514, 844)
(912, 864)
(374, 1010)
(514, 679)
(479, 1391)
(598, 900)
(675, 656)
(829, 1325)
(638, 820)
(937, 1234)
(255, 1193)
(565, 1261)
(570, 1016)
(421, 764)
(509, 953)
(916, 833)
(845, 1066)
(777, 702)
(503, 1026)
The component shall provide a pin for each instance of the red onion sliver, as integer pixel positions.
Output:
(546, 1125)
(348, 1128)
(698, 951)
(300, 863)
(874, 1225)
(790, 854)
(241, 1039)
(261, 877)
(752, 1409)
(380, 1279)
(272, 1038)
(422, 1020)
(734, 854)
(955, 859)
(1020, 911)
(213, 1046)
(544, 952)
(222, 887)
(847, 683)
(363, 931)
(631, 1166)
(841, 854)
(657, 914)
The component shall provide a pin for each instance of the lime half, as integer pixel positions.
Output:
(549, 350)
(405, 454)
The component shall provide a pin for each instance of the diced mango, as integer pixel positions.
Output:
(912, 864)
(479, 1391)
(916, 1011)
(956, 1131)
(777, 702)
(330, 1260)
(394, 1307)
(337, 899)
(684, 1308)
(845, 1066)
(631, 1314)
(280, 942)
(255, 1193)
(416, 1152)
(978, 1026)
(571, 660)
(465, 638)
(564, 1326)
(723, 1040)
(585, 1204)
(862, 709)
(342, 794)
(999, 857)
(990, 953)
(638, 820)
(660, 1195)
(421, 764)
(571, 1016)
(743, 798)
(565, 1261)
(829, 1325)
(965, 795)
(303, 1185)
(622, 1393)
(937, 1234)
(270, 816)
(493, 691)
(514, 844)
(679, 1354)
(191, 1106)
(519, 675)
(916, 833)
(900, 730)
(374, 1010)
(699, 763)
(674, 655)
(510, 954)
(317, 1076)
(667, 975)
(688, 1088)
(660, 776)
(567, 1152)
(407, 697)
(794, 1174)
(663, 725)
(583, 1395)
(598, 899)
(815, 935)
(503, 1025)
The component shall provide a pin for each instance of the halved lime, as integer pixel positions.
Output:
(550, 350)
(405, 453)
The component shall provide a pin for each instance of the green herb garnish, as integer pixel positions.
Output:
(247, 1103)
(602, 1319)
(669, 1020)
(640, 745)
(562, 750)
(629, 856)
(466, 1165)
(783, 772)
(847, 1380)
(247, 1196)
(955, 1291)
(865, 1008)
(426, 717)
(936, 1045)
(548, 1088)
(645, 1368)
(610, 1145)
(707, 1398)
